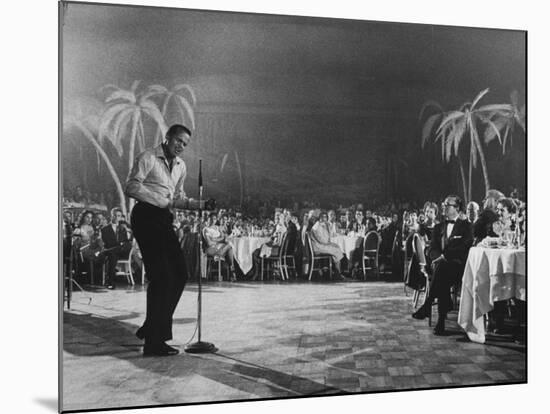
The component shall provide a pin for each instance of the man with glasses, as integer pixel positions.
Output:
(156, 182)
(449, 248)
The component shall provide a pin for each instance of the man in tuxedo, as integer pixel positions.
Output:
(116, 243)
(449, 248)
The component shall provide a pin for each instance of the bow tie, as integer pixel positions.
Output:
(450, 221)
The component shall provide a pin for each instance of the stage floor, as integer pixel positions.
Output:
(274, 340)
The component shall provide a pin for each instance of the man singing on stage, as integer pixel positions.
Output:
(156, 182)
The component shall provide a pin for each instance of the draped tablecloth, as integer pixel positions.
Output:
(243, 247)
(347, 243)
(490, 275)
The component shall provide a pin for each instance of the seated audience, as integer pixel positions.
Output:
(506, 209)
(483, 226)
(320, 242)
(88, 241)
(449, 248)
(117, 245)
(472, 212)
(333, 225)
(217, 245)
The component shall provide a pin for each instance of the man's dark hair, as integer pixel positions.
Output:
(372, 222)
(457, 200)
(176, 130)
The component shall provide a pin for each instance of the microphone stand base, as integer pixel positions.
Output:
(201, 348)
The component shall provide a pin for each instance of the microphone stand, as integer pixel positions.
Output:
(200, 347)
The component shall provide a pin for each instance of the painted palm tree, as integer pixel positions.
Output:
(427, 133)
(462, 126)
(506, 122)
(84, 117)
(128, 108)
(178, 96)
(239, 172)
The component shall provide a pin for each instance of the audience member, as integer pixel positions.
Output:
(483, 227)
(449, 250)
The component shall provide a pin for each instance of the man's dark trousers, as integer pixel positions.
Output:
(164, 266)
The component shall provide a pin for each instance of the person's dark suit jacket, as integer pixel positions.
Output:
(292, 235)
(111, 240)
(483, 226)
(455, 248)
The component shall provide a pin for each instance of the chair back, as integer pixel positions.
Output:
(417, 245)
(372, 243)
(284, 245)
(308, 244)
(395, 244)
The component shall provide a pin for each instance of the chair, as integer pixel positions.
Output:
(125, 266)
(211, 261)
(279, 260)
(385, 255)
(419, 259)
(287, 256)
(371, 247)
(82, 261)
(317, 258)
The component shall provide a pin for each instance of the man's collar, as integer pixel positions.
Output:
(159, 152)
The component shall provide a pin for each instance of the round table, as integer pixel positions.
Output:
(347, 243)
(490, 275)
(243, 247)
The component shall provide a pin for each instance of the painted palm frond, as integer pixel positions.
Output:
(448, 119)
(151, 109)
(478, 98)
(430, 104)
(428, 128)
(185, 87)
(123, 95)
(186, 108)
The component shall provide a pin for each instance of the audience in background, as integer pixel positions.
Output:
(483, 226)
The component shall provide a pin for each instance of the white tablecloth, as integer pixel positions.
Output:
(243, 247)
(347, 243)
(490, 275)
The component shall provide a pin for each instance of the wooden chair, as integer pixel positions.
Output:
(287, 257)
(211, 261)
(280, 261)
(371, 248)
(417, 246)
(317, 258)
(125, 267)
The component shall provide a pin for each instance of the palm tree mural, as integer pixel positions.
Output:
(178, 97)
(83, 116)
(462, 126)
(427, 133)
(507, 121)
(129, 108)
(239, 173)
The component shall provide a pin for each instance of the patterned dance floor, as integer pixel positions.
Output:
(274, 340)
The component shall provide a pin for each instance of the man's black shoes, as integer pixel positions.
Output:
(140, 333)
(161, 349)
(439, 329)
(421, 313)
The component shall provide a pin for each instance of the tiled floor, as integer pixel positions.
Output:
(274, 340)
